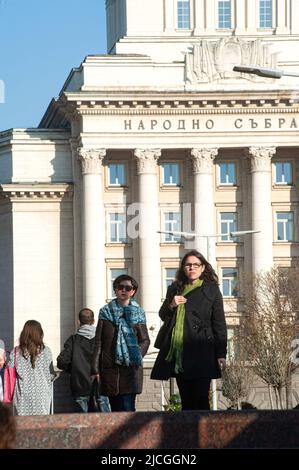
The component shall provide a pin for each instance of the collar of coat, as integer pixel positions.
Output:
(209, 289)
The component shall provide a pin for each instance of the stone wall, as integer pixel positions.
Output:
(155, 394)
(158, 430)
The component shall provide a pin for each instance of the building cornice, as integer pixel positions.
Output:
(35, 191)
(187, 104)
(191, 111)
(71, 106)
(33, 136)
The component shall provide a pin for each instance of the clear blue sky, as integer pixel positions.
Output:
(40, 42)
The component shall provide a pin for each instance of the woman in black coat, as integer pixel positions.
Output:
(193, 337)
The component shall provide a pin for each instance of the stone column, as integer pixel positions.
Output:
(262, 257)
(149, 239)
(281, 17)
(93, 221)
(203, 163)
(252, 16)
(170, 17)
(294, 13)
(199, 17)
(211, 14)
(240, 16)
(77, 204)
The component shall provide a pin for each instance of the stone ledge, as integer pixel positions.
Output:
(161, 430)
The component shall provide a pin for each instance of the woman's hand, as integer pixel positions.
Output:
(221, 363)
(96, 376)
(177, 300)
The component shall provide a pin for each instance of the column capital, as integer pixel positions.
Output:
(91, 160)
(202, 159)
(147, 160)
(260, 158)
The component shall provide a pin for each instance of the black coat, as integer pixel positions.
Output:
(205, 334)
(76, 359)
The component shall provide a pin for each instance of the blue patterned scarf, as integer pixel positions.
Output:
(127, 349)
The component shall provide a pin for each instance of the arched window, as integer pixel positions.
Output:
(183, 14)
(266, 12)
(224, 14)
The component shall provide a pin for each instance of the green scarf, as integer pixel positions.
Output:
(176, 346)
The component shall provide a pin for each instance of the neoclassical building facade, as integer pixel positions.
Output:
(158, 135)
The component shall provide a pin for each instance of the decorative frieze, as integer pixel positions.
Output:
(91, 160)
(260, 158)
(198, 106)
(147, 160)
(203, 159)
(39, 192)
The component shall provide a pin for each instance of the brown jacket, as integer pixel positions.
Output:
(116, 379)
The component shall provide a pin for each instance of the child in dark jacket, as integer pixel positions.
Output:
(76, 359)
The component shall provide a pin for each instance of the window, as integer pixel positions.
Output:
(265, 13)
(183, 14)
(227, 173)
(169, 277)
(224, 14)
(171, 174)
(285, 226)
(229, 282)
(172, 221)
(116, 174)
(118, 228)
(283, 173)
(228, 224)
(114, 273)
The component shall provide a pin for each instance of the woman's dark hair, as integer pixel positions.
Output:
(208, 274)
(125, 277)
(31, 340)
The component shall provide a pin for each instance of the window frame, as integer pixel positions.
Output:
(119, 242)
(235, 222)
(260, 26)
(284, 223)
(183, 28)
(117, 185)
(231, 280)
(165, 278)
(174, 238)
(219, 26)
(283, 183)
(227, 183)
(163, 174)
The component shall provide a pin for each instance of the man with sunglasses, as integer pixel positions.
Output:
(121, 342)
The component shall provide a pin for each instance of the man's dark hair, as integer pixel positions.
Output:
(125, 277)
(86, 316)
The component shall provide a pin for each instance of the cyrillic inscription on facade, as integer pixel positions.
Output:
(215, 124)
